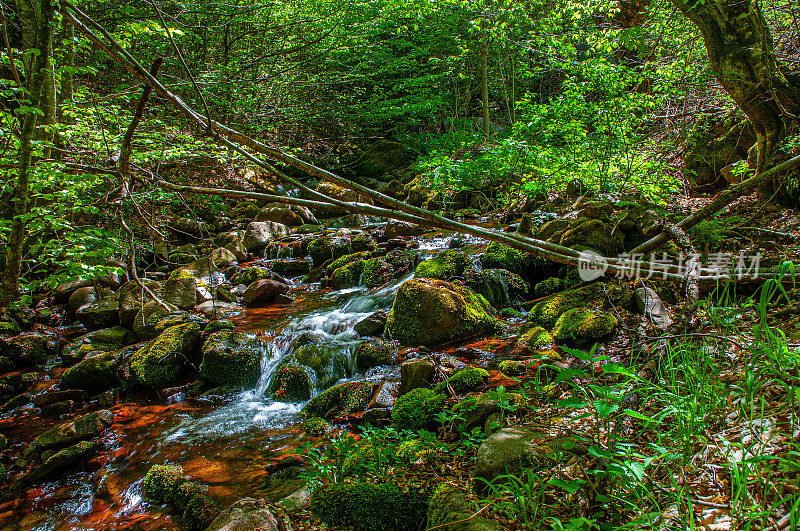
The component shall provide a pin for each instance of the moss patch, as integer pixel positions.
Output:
(373, 353)
(463, 381)
(417, 408)
(367, 507)
(231, 358)
(445, 265)
(584, 327)
(597, 295)
(158, 364)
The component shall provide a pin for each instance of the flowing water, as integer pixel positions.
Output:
(234, 443)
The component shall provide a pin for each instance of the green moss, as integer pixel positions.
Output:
(511, 313)
(431, 312)
(348, 275)
(584, 327)
(328, 361)
(548, 287)
(161, 482)
(499, 256)
(536, 338)
(446, 505)
(147, 319)
(93, 374)
(316, 427)
(200, 512)
(291, 382)
(346, 259)
(339, 400)
(249, 275)
(445, 265)
(463, 381)
(373, 353)
(216, 326)
(158, 364)
(231, 358)
(376, 271)
(546, 312)
(367, 507)
(417, 408)
(513, 367)
(327, 248)
(499, 286)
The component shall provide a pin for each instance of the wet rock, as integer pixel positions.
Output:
(650, 304)
(374, 353)
(396, 229)
(231, 358)
(216, 309)
(259, 233)
(104, 340)
(329, 248)
(154, 318)
(279, 214)
(415, 374)
(372, 325)
(85, 427)
(444, 266)
(30, 348)
(264, 291)
(58, 408)
(249, 275)
(291, 267)
(103, 313)
(339, 400)
(291, 383)
(593, 234)
(247, 514)
(584, 327)
(386, 396)
(159, 363)
(348, 275)
(548, 287)
(430, 312)
(511, 449)
(51, 397)
(499, 286)
(93, 374)
(65, 459)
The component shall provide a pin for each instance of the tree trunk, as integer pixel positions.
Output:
(742, 57)
(42, 66)
(68, 40)
(485, 77)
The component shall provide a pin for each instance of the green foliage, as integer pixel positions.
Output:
(465, 380)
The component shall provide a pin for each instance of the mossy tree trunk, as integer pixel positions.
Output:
(42, 67)
(742, 57)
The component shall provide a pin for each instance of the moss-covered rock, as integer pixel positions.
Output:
(339, 400)
(449, 509)
(161, 482)
(249, 275)
(537, 338)
(231, 358)
(584, 327)
(466, 380)
(548, 287)
(499, 286)
(64, 460)
(597, 295)
(499, 256)
(159, 363)
(348, 275)
(367, 507)
(417, 408)
(315, 426)
(146, 322)
(82, 428)
(444, 266)
(94, 374)
(376, 272)
(329, 362)
(584, 233)
(328, 248)
(218, 325)
(30, 348)
(200, 512)
(431, 312)
(180, 292)
(291, 383)
(346, 259)
(131, 298)
(373, 353)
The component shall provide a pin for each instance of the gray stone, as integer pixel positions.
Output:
(264, 291)
(650, 304)
(259, 233)
(180, 292)
(103, 313)
(372, 325)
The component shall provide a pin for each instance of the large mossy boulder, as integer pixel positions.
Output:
(499, 256)
(328, 362)
(598, 295)
(339, 400)
(29, 348)
(231, 358)
(102, 313)
(64, 460)
(167, 484)
(367, 507)
(444, 266)
(158, 364)
(95, 373)
(584, 327)
(431, 312)
(291, 383)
